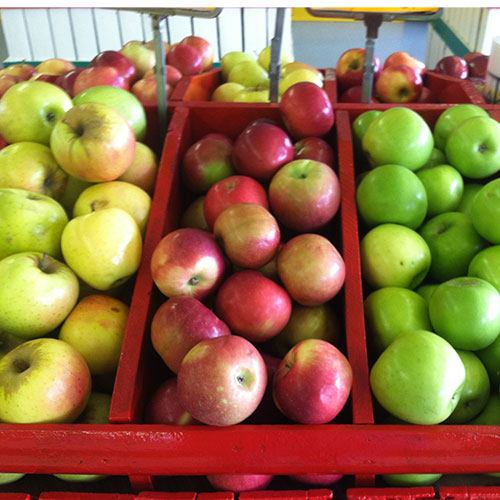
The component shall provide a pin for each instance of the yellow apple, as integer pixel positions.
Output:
(300, 75)
(226, 92)
(264, 58)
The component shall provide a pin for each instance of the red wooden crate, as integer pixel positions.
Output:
(200, 87)
(14, 496)
(59, 495)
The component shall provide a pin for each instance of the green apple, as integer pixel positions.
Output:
(453, 243)
(490, 356)
(36, 295)
(473, 147)
(30, 222)
(475, 392)
(95, 412)
(466, 312)
(95, 328)
(144, 169)
(43, 381)
(300, 75)
(359, 126)
(8, 342)
(248, 74)
(74, 187)
(226, 92)
(437, 158)
(490, 414)
(391, 193)
(394, 255)
(121, 100)
(194, 215)
(411, 479)
(390, 311)
(10, 477)
(486, 265)
(231, 59)
(31, 166)
(309, 322)
(398, 136)
(418, 378)
(30, 109)
(426, 290)
(264, 58)
(485, 212)
(450, 118)
(252, 94)
(129, 197)
(103, 248)
(470, 191)
(444, 186)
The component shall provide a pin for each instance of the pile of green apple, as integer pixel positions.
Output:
(245, 78)
(75, 197)
(428, 202)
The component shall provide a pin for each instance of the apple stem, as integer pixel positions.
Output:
(92, 206)
(194, 281)
(51, 116)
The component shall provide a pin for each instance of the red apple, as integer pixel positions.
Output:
(233, 189)
(172, 73)
(164, 408)
(7, 81)
(313, 382)
(145, 90)
(203, 47)
(350, 68)
(118, 61)
(471, 55)
(222, 380)
(306, 110)
(249, 233)
(239, 482)
(253, 306)
(453, 66)
(314, 148)
(427, 95)
(261, 149)
(23, 70)
(402, 57)
(55, 66)
(478, 66)
(304, 195)
(187, 59)
(399, 84)
(99, 75)
(355, 94)
(311, 269)
(179, 324)
(188, 262)
(207, 161)
(67, 81)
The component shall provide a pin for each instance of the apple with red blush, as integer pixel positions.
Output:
(23, 70)
(145, 89)
(45, 77)
(249, 234)
(314, 148)
(179, 324)
(311, 269)
(186, 58)
(99, 75)
(231, 190)
(253, 306)
(402, 57)
(453, 66)
(207, 161)
(304, 195)
(261, 149)
(350, 68)
(55, 66)
(117, 60)
(7, 81)
(189, 262)
(313, 382)
(172, 74)
(203, 47)
(222, 380)
(399, 83)
(163, 407)
(306, 110)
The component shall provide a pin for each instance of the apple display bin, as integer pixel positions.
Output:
(200, 87)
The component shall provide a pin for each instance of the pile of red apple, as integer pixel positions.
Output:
(429, 204)
(251, 265)
(471, 66)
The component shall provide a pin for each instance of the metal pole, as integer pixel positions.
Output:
(161, 75)
(372, 23)
(275, 64)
